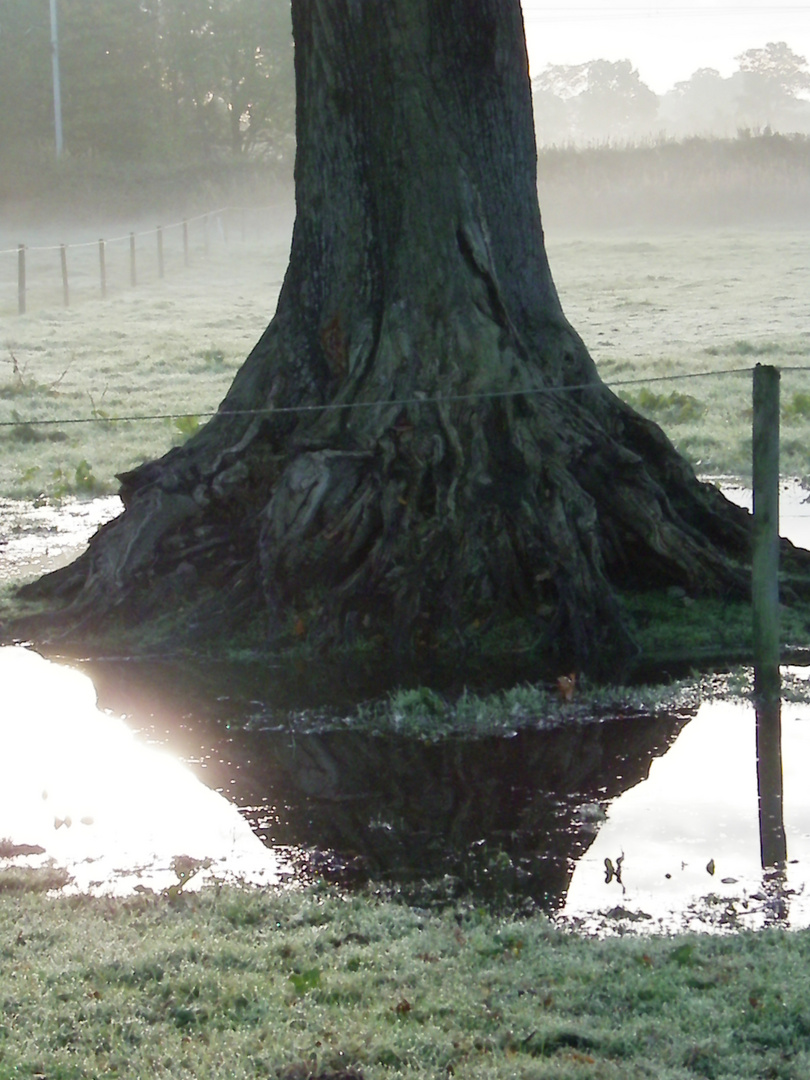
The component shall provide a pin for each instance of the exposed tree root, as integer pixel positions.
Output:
(426, 527)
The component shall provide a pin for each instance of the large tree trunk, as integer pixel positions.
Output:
(419, 447)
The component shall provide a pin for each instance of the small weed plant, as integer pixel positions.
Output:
(674, 408)
(185, 427)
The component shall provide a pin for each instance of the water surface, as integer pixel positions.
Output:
(632, 820)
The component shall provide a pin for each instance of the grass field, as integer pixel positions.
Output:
(684, 304)
(659, 310)
(168, 347)
(236, 984)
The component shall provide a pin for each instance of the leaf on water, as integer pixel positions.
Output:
(567, 685)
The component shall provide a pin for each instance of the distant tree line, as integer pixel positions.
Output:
(606, 101)
(186, 81)
(169, 80)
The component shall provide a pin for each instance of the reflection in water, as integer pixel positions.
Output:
(499, 816)
(692, 830)
(76, 784)
(772, 841)
(564, 817)
(493, 816)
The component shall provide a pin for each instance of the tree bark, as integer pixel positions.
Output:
(419, 447)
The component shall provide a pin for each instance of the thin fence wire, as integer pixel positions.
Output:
(387, 403)
(793, 515)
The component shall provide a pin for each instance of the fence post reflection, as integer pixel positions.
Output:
(772, 843)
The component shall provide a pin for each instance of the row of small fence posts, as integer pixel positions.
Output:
(765, 604)
(22, 286)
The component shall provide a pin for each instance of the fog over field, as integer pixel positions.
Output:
(649, 302)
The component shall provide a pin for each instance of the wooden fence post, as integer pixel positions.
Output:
(102, 268)
(160, 250)
(765, 558)
(133, 280)
(21, 278)
(765, 603)
(65, 287)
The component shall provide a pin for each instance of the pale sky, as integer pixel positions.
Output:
(666, 42)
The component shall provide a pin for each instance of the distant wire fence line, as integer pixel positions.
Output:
(61, 274)
(398, 402)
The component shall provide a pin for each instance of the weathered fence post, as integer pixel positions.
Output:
(160, 250)
(65, 288)
(765, 559)
(185, 242)
(765, 603)
(21, 278)
(133, 279)
(102, 268)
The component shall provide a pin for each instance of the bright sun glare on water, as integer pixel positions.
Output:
(692, 829)
(79, 784)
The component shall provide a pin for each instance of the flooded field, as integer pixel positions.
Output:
(638, 821)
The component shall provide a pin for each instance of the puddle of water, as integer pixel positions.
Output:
(692, 831)
(794, 506)
(670, 801)
(116, 812)
(36, 539)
